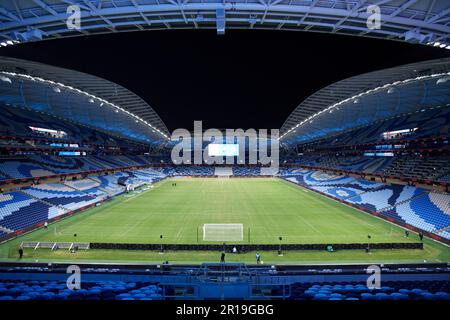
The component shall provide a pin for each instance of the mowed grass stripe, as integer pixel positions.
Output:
(269, 207)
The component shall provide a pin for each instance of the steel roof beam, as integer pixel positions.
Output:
(237, 7)
(45, 7)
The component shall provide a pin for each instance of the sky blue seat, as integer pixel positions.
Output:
(148, 291)
(418, 291)
(65, 291)
(150, 287)
(14, 292)
(367, 296)
(428, 296)
(404, 291)
(33, 293)
(352, 299)
(135, 291)
(310, 292)
(48, 293)
(325, 292)
(399, 296)
(36, 286)
(321, 296)
(440, 293)
(94, 291)
(6, 298)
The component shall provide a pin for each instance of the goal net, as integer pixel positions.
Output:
(223, 232)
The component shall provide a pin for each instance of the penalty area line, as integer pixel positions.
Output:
(140, 194)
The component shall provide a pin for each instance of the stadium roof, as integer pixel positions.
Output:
(369, 97)
(416, 21)
(80, 97)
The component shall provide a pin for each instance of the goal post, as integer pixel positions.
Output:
(223, 232)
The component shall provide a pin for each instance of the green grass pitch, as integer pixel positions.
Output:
(269, 207)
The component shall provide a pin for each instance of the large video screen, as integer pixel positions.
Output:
(219, 150)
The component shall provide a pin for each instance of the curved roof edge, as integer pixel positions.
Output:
(94, 87)
(348, 89)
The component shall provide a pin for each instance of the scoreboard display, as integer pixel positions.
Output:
(220, 150)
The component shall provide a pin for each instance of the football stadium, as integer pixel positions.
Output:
(347, 198)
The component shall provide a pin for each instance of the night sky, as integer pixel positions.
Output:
(245, 79)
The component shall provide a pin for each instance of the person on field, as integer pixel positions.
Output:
(258, 258)
(20, 253)
(222, 257)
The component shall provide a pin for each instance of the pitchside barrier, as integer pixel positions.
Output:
(55, 245)
(253, 247)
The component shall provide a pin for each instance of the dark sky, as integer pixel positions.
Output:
(245, 79)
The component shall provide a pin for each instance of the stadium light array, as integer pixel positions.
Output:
(6, 43)
(89, 95)
(356, 98)
(439, 45)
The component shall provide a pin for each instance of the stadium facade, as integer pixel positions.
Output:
(372, 150)
(380, 146)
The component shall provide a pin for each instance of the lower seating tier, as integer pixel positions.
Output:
(428, 211)
(19, 211)
(390, 290)
(96, 290)
(39, 203)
